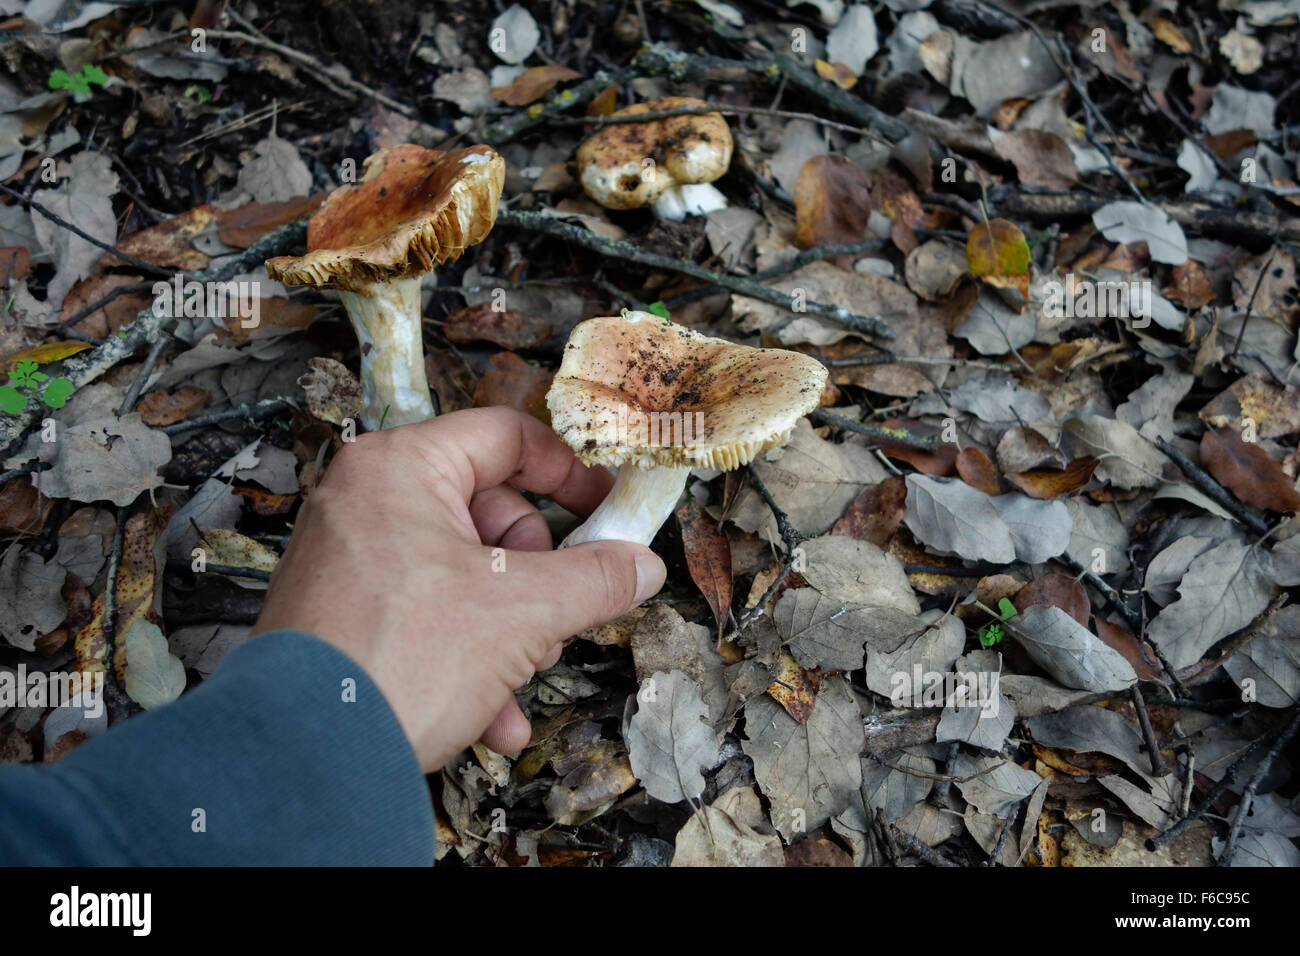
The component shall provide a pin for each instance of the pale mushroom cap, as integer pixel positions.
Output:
(628, 165)
(616, 369)
(413, 209)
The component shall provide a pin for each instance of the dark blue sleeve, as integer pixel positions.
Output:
(286, 769)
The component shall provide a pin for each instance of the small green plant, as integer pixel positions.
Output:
(658, 308)
(991, 633)
(78, 83)
(27, 374)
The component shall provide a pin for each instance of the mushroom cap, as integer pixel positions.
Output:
(413, 208)
(618, 372)
(613, 167)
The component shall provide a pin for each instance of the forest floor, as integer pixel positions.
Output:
(1046, 250)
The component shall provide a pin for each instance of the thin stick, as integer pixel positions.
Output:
(898, 436)
(550, 225)
(263, 409)
(1158, 767)
(142, 376)
(77, 231)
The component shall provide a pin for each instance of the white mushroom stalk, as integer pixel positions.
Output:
(388, 322)
(689, 199)
(656, 399)
(641, 500)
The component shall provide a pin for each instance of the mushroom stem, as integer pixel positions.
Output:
(387, 320)
(636, 507)
(689, 199)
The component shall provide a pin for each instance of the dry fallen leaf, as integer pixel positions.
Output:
(708, 558)
(1245, 468)
(532, 84)
(832, 201)
(998, 254)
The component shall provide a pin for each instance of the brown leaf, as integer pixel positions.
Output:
(161, 407)
(1056, 590)
(244, 225)
(1121, 640)
(974, 468)
(15, 263)
(264, 502)
(816, 852)
(170, 243)
(837, 73)
(516, 383)
(1189, 285)
(1266, 284)
(603, 103)
(832, 202)
(108, 319)
(450, 380)
(508, 329)
(532, 84)
(893, 195)
(23, 509)
(1041, 158)
(275, 315)
(1231, 142)
(939, 462)
(1169, 34)
(875, 514)
(332, 392)
(708, 558)
(1245, 469)
(1049, 483)
(1024, 449)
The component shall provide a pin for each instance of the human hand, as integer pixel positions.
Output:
(394, 561)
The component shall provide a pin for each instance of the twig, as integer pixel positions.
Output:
(1158, 768)
(1204, 482)
(255, 574)
(24, 469)
(77, 231)
(142, 376)
(1248, 796)
(1229, 777)
(1002, 838)
(917, 848)
(263, 409)
(109, 619)
(99, 304)
(887, 358)
(552, 226)
(790, 538)
(897, 436)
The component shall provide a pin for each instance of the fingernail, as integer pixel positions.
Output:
(650, 574)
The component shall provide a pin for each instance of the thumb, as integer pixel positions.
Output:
(585, 585)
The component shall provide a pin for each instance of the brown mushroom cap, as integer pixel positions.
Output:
(414, 208)
(684, 149)
(748, 399)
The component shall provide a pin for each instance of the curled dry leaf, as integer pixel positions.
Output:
(875, 514)
(1048, 483)
(974, 468)
(332, 392)
(708, 558)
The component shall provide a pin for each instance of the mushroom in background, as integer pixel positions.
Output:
(412, 210)
(668, 163)
(657, 399)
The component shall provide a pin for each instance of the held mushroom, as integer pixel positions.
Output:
(657, 399)
(413, 209)
(668, 163)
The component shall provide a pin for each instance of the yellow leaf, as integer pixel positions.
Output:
(46, 352)
(1170, 35)
(837, 73)
(998, 254)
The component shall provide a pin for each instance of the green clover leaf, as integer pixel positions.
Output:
(1007, 609)
(659, 309)
(990, 634)
(24, 374)
(57, 392)
(12, 401)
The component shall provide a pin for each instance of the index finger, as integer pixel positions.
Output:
(480, 448)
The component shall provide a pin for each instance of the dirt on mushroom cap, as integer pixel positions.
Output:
(614, 369)
(681, 149)
(413, 209)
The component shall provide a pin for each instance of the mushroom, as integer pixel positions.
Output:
(657, 399)
(413, 208)
(668, 163)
